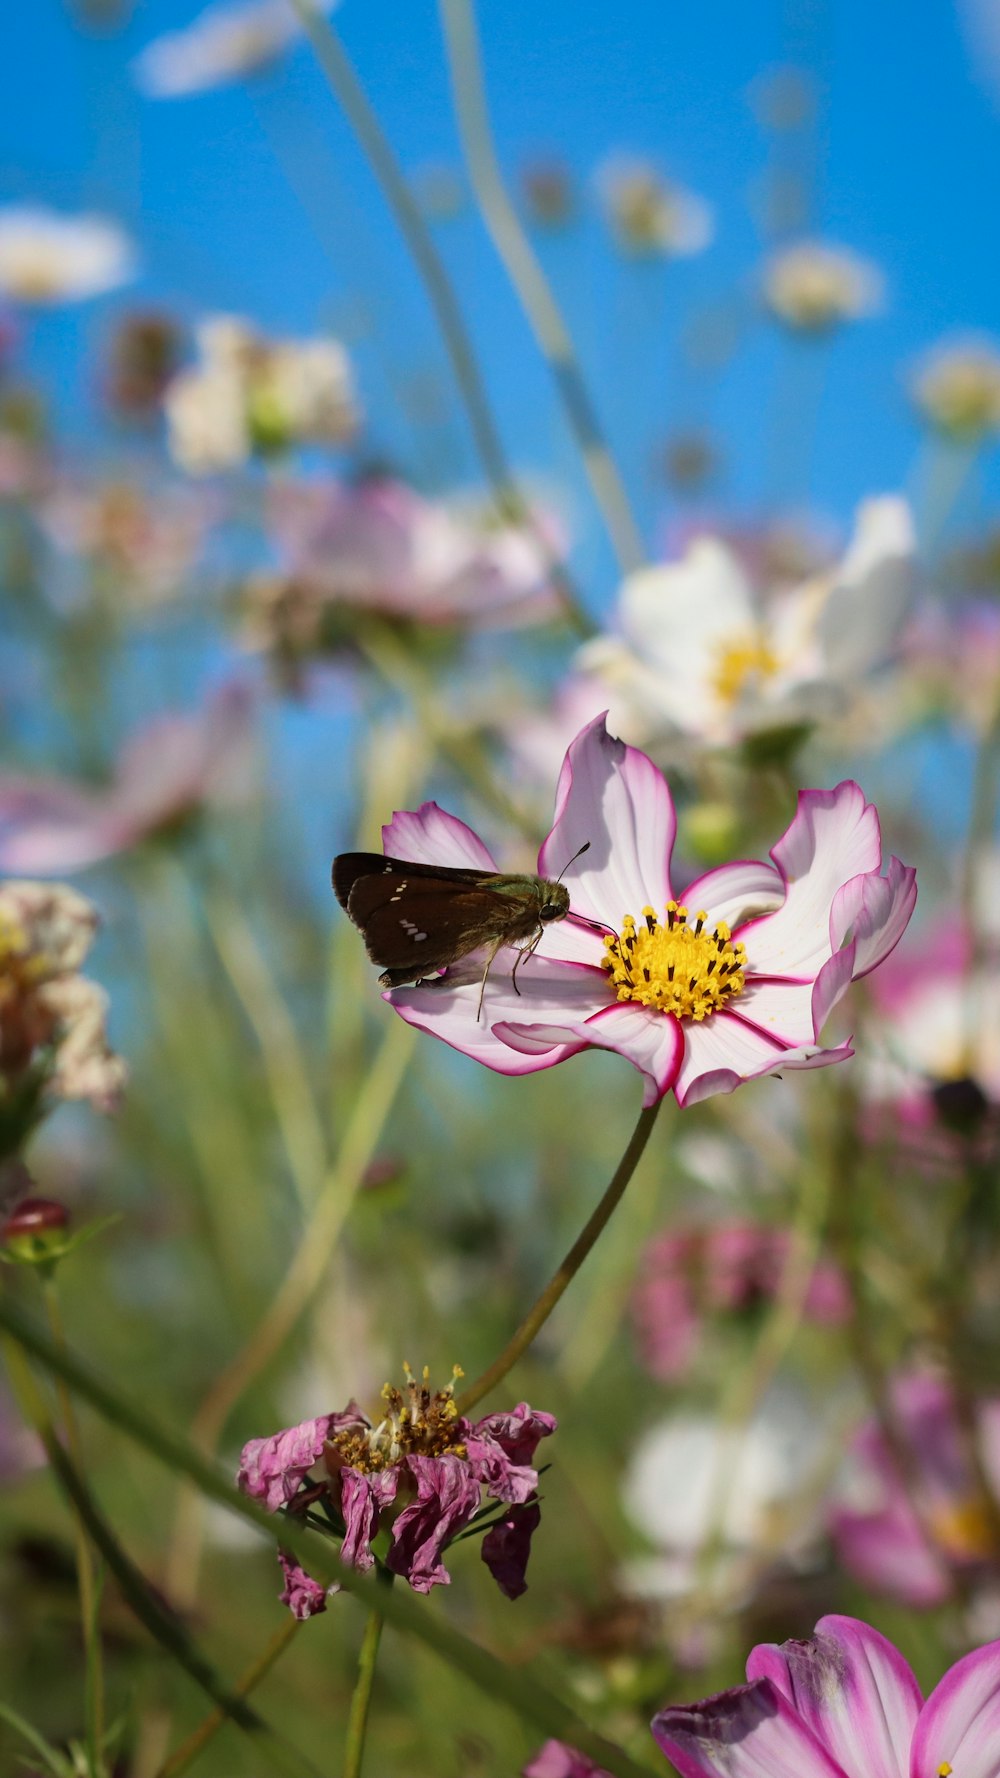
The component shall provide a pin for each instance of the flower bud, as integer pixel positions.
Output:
(35, 1231)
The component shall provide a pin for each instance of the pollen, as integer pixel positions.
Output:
(688, 969)
(415, 1421)
(742, 663)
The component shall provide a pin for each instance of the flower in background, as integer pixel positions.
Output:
(956, 389)
(732, 980)
(144, 356)
(950, 657)
(701, 651)
(547, 193)
(421, 1468)
(224, 43)
(53, 1042)
(556, 1760)
(813, 287)
(937, 1042)
(167, 771)
(908, 1540)
(649, 215)
(841, 1703)
(251, 395)
(752, 1492)
(133, 543)
(377, 546)
(47, 258)
(689, 1276)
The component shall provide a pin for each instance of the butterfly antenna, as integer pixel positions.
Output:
(584, 848)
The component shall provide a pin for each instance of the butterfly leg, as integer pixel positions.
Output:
(497, 946)
(522, 955)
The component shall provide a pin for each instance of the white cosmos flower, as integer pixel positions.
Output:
(701, 651)
(814, 286)
(650, 214)
(47, 258)
(224, 43)
(957, 388)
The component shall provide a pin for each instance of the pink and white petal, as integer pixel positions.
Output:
(651, 1041)
(569, 941)
(429, 835)
(561, 994)
(781, 1009)
(736, 892)
(886, 1551)
(853, 1689)
(959, 1726)
(834, 837)
(749, 1732)
(876, 912)
(831, 985)
(613, 799)
(720, 1053)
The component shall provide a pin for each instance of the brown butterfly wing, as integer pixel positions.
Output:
(423, 924)
(350, 867)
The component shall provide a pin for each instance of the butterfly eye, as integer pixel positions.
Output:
(550, 911)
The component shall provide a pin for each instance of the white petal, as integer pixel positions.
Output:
(719, 1053)
(834, 837)
(736, 892)
(429, 835)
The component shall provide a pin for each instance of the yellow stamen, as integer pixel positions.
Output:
(741, 662)
(689, 971)
(944, 1770)
(415, 1420)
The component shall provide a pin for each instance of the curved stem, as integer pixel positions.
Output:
(199, 1738)
(539, 1313)
(512, 244)
(357, 1721)
(351, 97)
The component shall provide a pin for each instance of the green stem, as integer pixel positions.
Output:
(351, 97)
(199, 1738)
(564, 1274)
(520, 1692)
(512, 244)
(357, 1721)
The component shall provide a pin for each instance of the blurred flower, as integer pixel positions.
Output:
(547, 193)
(53, 1043)
(950, 663)
(556, 1760)
(167, 771)
(139, 544)
(956, 389)
(840, 1704)
(378, 546)
(703, 652)
(226, 42)
(783, 940)
(689, 461)
(249, 394)
(651, 216)
(908, 1541)
(688, 1276)
(939, 1023)
(751, 1490)
(814, 287)
(423, 1468)
(46, 258)
(144, 356)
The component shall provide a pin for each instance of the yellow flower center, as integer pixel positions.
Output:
(963, 1530)
(415, 1420)
(689, 971)
(743, 662)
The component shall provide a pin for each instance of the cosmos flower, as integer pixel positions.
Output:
(841, 1703)
(938, 1025)
(913, 1555)
(814, 287)
(224, 43)
(956, 389)
(702, 651)
(556, 1760)
(252, 395)
(422, 1469)
(377, 546)
(651, 216)
(53, 1043)
(130, 543)
(689, 1276)
(47, 258)
(731, 980)
(168, 770)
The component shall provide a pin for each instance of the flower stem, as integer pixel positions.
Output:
(459, 25)
(357, 1721)
(353, 101)
(540, 1311)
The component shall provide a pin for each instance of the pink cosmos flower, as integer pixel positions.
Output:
(169, 769)
(730, 980)
(423, 1468)
(880, 1538)
(686, 1276)
(842, 1703)
(939, 1035)
(556, 1760)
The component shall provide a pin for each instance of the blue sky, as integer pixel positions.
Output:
(256, 199)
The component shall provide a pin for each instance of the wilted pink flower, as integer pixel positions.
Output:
(556, 1760)
(880, 1537)
(378, 546)
(840, 1704)
(687, 1276)
(732, 980)
(423, 1468)
(169, 769)
(53, 1043)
